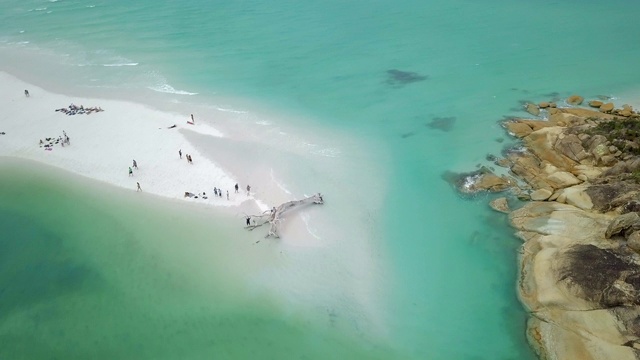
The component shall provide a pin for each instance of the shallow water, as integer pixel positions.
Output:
(104, 275)
(326, 65)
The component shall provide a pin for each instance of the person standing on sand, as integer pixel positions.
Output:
(26, 93)
(180, 153)
(193, 121)
(135, 164)
(248, 220)
(248, 190)
(236, 188)
(130, 171)
(139, 188)
(227, 194)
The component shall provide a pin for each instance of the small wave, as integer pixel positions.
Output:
(231, 110)
(124, 64)
(305, 219)
(328, 152)
(278, 184)
(263, 122)
(39, 9)
(91, 6)
(470, 181)
(166, 88)
(52, 1)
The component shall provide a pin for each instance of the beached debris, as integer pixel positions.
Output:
(273, 216)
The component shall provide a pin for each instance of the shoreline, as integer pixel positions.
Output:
(103, 145)
(576, 187)
(175, 251)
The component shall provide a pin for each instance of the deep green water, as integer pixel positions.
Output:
(325, 64)
(95, 275)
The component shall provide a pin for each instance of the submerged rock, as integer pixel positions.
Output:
(575, 100)
(500, 204)
(399, 77)
(442, 123)
(532, 109)
(480, 180)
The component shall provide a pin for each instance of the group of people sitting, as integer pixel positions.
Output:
(217, 192)
(74, 110)
(60, 140)
(192, 195)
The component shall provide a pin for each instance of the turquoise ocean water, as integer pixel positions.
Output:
(331, 65)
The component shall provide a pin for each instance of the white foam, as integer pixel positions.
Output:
(231, 110)
(305, 219)
(203, 129)
(328, 152)
(166, 88)
(122, 64)
(278, 184)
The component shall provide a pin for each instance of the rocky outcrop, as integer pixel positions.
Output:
(532, 109)
(606, 107)
(595, 103)
(500, 204)
(575, 100)
(483, 179)
(580, 260)
(582, 290)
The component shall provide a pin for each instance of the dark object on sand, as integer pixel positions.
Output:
(172, 126)
(26, 93)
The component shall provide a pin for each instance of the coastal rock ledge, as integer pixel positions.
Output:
(579, 265)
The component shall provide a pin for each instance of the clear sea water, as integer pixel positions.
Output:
(310, 64)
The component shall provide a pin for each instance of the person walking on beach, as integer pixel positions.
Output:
(26, 93)
(215, 191)
(139, 188)
(236, 188)
(248, 220)
(135, 164)
(130, 171)
(248, 190)
(193, 121)
(227, 194)
(180, 153)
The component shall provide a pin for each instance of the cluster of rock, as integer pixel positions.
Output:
(576, 100)
(580, 263)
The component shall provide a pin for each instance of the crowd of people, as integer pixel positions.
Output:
(188, 194)
(216, 192)
(77, 110)
(51, 141)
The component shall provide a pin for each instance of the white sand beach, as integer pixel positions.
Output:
(330, 260)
